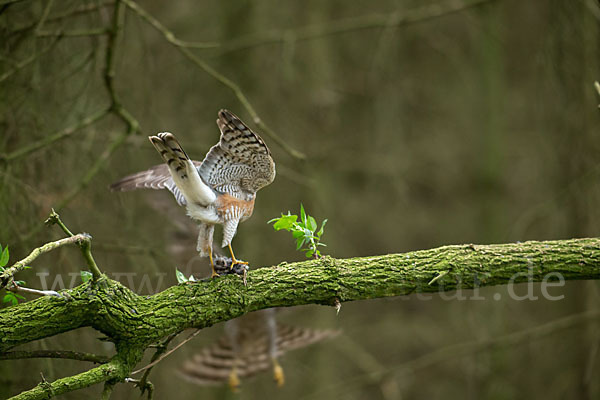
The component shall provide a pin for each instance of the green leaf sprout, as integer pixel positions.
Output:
(181, 277)
(86, 276)
(308, 239)
(4, 255)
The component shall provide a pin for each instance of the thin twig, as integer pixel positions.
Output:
(50, 139)
(16, 288)
(123, 248)
(73, 33)
(170, 37)
(144, 386)
(159, 359)
(346, 25)
(160, 349)
(45, 14)
(30, 59)
(113, 35)
(54, 219)
(85, 245)
(107, 391)
(84, 9)
(456, 351)
(111, 372)
(21, 265)
(7, 2)
(94, 169)
(64, 354)
(116, 108)
(591, 361)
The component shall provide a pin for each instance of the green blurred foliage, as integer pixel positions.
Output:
(477, 126)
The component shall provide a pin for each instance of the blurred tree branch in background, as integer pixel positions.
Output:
(183, 48)
(64, 354)
(374, 21)
(136, 322)
(382, 375)
(115, 30)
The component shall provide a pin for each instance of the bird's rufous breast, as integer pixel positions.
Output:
(230, 207)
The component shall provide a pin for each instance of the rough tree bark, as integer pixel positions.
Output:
(134, 322)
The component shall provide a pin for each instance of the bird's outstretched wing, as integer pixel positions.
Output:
(157, 177)
(213, 365)
(241, 163)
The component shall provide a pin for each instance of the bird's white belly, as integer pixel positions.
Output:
(206, 214)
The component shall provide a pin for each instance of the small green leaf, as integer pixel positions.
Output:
(85, 276)
(18, 296)
(303, 214)
(20, 283)
(309, 253)
(297, 234)
(180, 276)
(10, 298)
(322, 228)
(4, 257)
(300, 243)
(285, 222)
(312, 223)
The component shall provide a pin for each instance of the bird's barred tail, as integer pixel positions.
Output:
(182, 169)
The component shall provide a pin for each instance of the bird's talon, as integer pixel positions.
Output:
(234, 381)
(234, 262)
(278, 374)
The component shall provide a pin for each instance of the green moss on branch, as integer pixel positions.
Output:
(116, 370)
(134, 322)
(126, 317)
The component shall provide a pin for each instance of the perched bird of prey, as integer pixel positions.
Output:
(251, 344)
(219, 190)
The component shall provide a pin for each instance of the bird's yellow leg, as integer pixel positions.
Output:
(278, 374)
(212, 265)
(234, 380)
(234, 260)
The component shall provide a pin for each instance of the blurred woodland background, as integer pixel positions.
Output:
(423, 123)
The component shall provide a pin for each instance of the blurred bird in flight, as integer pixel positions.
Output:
(251, 344)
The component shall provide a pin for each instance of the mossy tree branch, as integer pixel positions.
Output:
(135, 322)
(64, 354)
(7, 275)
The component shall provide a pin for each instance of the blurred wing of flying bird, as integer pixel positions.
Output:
(251, 344)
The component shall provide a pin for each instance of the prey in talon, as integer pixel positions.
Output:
(219, 190)
(224, 266)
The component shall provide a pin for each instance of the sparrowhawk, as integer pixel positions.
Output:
(219, 190)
